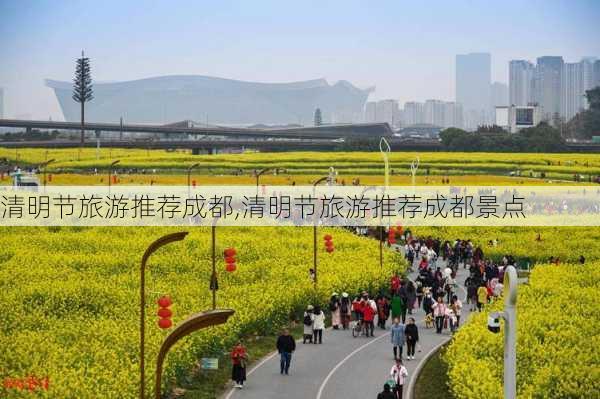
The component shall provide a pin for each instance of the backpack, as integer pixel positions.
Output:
(307, 319)
(332, 306)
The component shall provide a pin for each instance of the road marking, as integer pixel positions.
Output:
(333, 370)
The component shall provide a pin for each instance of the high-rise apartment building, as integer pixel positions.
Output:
(383, 111)
(521, 75)
(371, 112)
(572, 96)
(473, 86)
(596, 79)
(414, 113)
(548, 86)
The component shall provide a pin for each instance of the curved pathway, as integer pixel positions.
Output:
(343, 366)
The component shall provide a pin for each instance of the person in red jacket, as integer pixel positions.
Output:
(395, 283)
(239, 358)
(368, 316)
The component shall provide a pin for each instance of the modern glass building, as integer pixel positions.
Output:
(215, 101)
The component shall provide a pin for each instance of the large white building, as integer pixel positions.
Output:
(513, 118)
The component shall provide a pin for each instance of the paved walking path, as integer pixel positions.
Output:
(343, 366)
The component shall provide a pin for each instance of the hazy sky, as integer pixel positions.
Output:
(405, 48)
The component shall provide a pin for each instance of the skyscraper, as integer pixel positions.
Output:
(548, 83)
(596, 78)
(499, 94)
(572, 90)
(473, 86)
(1, 103)
(520, 81)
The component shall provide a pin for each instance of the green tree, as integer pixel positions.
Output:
(318, 117)
(82, 88)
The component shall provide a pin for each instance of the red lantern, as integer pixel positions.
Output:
(165, 323)
(164, 313)
(229, 254)
(164, 301)
(193, 183)
(114, 179)
(50, 177)
(231, 267)
(328, 243)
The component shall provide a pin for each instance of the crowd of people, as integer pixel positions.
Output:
(434, 290)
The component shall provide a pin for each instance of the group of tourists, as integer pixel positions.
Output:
(434, 290)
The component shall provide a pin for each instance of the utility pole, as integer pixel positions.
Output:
(510, 331)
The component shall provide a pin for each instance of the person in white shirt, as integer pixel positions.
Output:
(399, 374)
(318, 318)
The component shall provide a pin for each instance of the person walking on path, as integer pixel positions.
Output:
(412, 337)
(428, 303)
(411, 296)
(383, 311)
(386, 393)
(439, 312)
(308, 325)
(286, 345)
(345, 310)
(368, 317)
(334, 308)
(398, 338)
(239, 359)
(482, 296)
(456, 306)
(399, 374)
(318, 318)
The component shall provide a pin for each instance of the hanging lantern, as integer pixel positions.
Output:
(194, 183)
(50, 177)
(114, 179)
(328, 243)
(230, 260)
(164, 313)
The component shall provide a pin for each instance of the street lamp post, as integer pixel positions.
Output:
(510, 331)
(189, 176)
(44, 165)
(167, 239)
(265, 170)
(110, 169)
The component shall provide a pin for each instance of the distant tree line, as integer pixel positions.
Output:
(34, 135)
(586, 124)
(540, 138)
